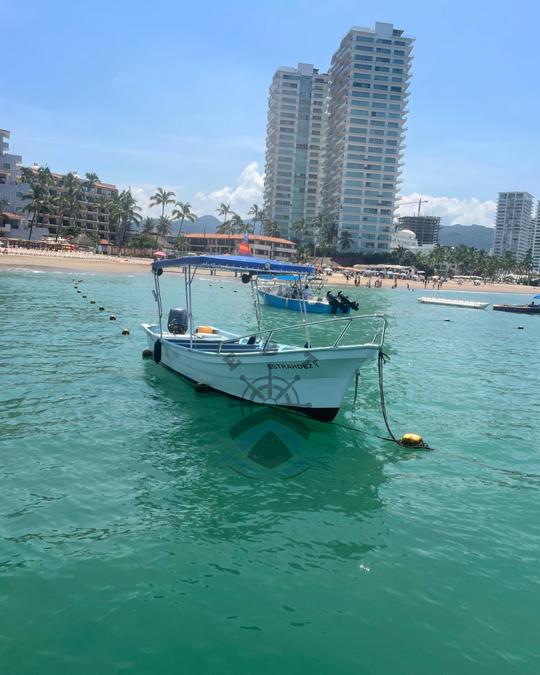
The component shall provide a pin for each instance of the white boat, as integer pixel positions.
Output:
(471, 304)
(257, 366)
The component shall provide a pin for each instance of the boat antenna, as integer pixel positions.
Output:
(157, 298)
(255, 294)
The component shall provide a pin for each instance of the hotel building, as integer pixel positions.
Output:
(92, 215)
(514, 227)
(368, 94)
(267, 247)
(294, 146)
(11, 191)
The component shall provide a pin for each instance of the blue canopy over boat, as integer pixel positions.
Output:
(237, 263)
(536, 297)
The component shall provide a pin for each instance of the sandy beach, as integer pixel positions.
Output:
(101, 264)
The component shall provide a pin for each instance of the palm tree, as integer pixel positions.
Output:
(70, 185)
(271, 229)
(148, 225)
(38, 204)
(318, 225)
(237, 224)
(247, 228)
(301, 228)
(91, 179)
(224, 210)
(164, 226)
(124, 211)
(162, 198)
(345, 240)
(39, 195)
(27, 174)
(256, 215)
(60, 204)
(183, 212)
(104, 206)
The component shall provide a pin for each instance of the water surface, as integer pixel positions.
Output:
(138, 534)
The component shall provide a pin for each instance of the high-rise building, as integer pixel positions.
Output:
(426, 228)
(335, 142)
(514, 224)
(536, 240)
(368, 93)
(294, 145)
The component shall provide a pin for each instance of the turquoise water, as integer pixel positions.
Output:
(138, 535)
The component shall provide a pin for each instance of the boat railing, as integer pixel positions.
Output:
(265, 336)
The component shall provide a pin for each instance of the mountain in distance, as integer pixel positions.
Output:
(476, 236)
(207, 224)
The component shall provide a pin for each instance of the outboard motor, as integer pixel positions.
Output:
(346, 304)
(178, 322)
(333, 302)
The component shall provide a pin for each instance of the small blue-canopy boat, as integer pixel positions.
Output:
(256, 366)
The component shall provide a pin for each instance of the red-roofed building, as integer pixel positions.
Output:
(269, 247)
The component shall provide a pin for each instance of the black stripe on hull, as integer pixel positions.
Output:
(320, 414)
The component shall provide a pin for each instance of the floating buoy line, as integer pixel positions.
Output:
(101, 308)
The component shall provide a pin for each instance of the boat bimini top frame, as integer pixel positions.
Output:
(250, 267)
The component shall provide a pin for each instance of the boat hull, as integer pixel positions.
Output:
(517, 309)
(447, 302)
(296, 305)
(313, 381)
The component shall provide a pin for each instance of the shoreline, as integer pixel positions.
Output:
(100, 264)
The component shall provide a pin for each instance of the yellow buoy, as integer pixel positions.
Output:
(411, 439)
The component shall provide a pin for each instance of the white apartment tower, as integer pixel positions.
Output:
(514, 227)
(536, 240)
(294, 146)
(368, 93)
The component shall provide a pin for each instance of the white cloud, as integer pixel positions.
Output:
(248, 191)
(452, 210)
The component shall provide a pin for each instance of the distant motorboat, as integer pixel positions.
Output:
(470, 304)
(531, 308)
(299, 297)
(329, 304)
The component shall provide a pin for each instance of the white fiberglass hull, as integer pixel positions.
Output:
(314, 381)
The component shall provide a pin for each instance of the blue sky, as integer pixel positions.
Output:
(175, 94)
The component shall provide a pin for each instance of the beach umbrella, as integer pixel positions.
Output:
(160, 254)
